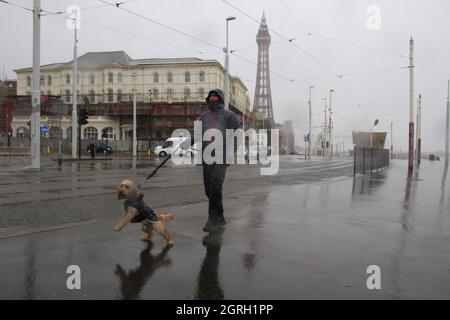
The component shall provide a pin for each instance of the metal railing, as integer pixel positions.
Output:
(368, 160)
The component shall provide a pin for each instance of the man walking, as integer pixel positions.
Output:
(214, 174)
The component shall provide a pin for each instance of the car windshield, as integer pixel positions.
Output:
(167, 144)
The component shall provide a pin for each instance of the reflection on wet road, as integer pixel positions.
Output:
(282, 241)
(132, 282)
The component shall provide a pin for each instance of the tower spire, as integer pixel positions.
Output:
(263, 96)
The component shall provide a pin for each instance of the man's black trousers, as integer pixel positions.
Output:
(213, 178)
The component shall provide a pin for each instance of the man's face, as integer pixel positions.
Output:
(213, 99)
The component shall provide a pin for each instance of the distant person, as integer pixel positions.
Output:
(214, 174)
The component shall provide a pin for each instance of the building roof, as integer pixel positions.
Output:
(99, 59)
(170, 61)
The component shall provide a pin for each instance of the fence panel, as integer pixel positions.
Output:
(369, 160)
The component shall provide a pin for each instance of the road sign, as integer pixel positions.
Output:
(44, 129)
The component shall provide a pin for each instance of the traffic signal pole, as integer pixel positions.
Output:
(79, 140)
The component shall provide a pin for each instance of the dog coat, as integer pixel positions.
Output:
(144, 211)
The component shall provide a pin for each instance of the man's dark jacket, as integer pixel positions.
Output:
(220, 118)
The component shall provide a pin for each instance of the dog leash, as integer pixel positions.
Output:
(151, 174)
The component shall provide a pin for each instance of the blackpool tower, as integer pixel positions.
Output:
(263, 97)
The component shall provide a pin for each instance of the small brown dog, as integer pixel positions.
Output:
(137, 211)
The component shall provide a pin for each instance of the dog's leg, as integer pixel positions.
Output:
(147, 228)
(159, 228)
(131, 213)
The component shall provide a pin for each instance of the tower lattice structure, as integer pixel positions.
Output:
(263, 96)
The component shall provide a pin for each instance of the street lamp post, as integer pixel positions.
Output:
(325, 127)
(371, 130)
(150, 120)
(35, 120)
(329, 129)
(309, 131)
(133, 75)
(227, 67)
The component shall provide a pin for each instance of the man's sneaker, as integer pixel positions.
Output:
(207, 225)
(220, 221)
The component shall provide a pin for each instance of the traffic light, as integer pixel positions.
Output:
(83, 117)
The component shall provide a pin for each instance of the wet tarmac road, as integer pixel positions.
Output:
(283, 241)
(84, 190)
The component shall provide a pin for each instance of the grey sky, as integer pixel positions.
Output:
(382, 95)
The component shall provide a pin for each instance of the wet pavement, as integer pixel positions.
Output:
(309, 232)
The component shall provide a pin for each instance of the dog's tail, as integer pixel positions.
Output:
(165, 217)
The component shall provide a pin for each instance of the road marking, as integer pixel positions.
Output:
(25, 232)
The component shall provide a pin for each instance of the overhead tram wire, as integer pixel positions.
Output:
(163, 25)
(337, 40)
(16, 5)
(60, 15)
(335, 74)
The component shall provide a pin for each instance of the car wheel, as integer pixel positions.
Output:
(162, 154)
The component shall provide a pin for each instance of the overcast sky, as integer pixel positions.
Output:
(373, 77)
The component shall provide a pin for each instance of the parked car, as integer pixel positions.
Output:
(99, 148)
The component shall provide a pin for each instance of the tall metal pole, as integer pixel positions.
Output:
(325, 127)
(447, 123)
(134, 116)
(74, 97)
(419, 128)
(392, 140)
(227, 68)
(411, 107)
(330, 151)
(309, 131)
(35, 122)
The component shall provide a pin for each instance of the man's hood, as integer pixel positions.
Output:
(219, 93)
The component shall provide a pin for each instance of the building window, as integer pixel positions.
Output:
(29, 81)
(155, 77)
(119, 77)
(67, 78)
(42, 81)
(92, 79)
(110, 95)
(67, 95)
(119, 95)
(169, 77)
(49, 80)
(201, 76)
(110, 77)
(187, 92)
(201, 92)
(169, 93)
(108, 134)
(90, 133)
(22, 132)
(55, 132)
(187, 76)
(49, 93)
(155, 93)
(92, 96)
(78, 78)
